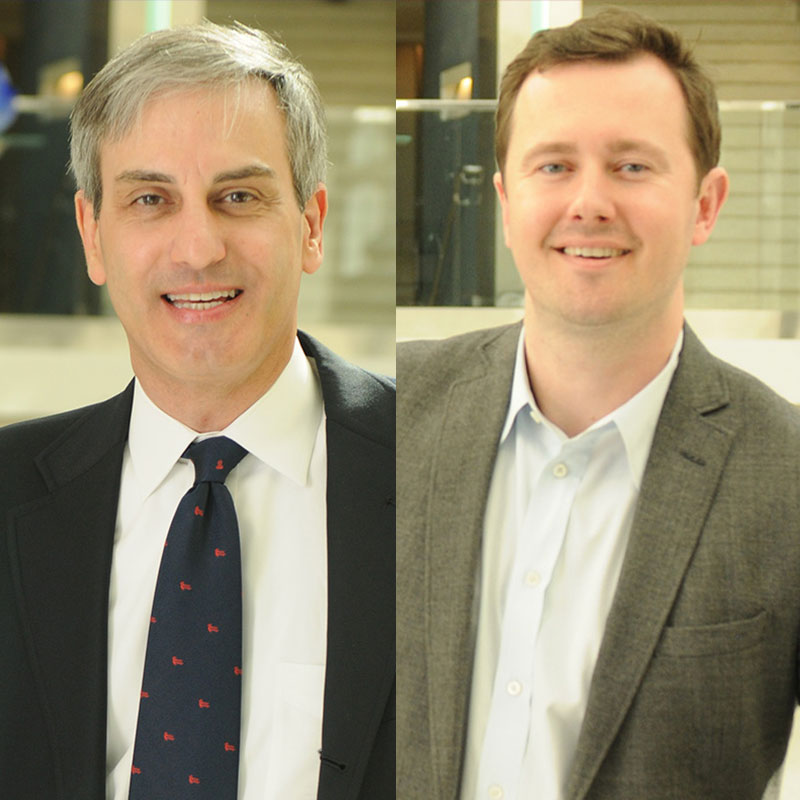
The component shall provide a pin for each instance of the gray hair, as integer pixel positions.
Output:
(197, 56)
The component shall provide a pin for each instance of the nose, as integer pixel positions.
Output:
(592, 201)
(197, 240)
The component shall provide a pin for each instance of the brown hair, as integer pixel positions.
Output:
(617, 35)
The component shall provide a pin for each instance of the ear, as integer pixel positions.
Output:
(712, 195)
(89, 230)
(313, 219)
(501, 196)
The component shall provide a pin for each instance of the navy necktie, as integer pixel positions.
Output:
(187, 736)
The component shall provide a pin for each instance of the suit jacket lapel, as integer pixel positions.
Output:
(60, 548)
(464, 461)
(360, 668)
(684, 468)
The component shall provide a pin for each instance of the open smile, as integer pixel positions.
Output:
(201, 301)
(593, 252)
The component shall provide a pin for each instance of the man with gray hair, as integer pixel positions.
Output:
(197, 590)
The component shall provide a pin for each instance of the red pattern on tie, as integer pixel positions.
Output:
(194, 737)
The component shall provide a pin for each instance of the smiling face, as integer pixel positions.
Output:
(599, 193)
(201, 241)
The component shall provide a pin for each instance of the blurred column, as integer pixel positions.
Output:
(129, 19)
(457, 219)
(41, 261)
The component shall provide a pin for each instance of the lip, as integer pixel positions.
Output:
(607, 243)
(592, 255)
(192, 305)
(592, 245)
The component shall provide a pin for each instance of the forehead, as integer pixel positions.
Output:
(179, 125)
(640, 97)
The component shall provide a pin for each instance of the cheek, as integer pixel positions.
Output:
(530, 220)
(275, 252)
(265, 238)
(669, 210)
(271, 266)
(131, 270)
(666, 226)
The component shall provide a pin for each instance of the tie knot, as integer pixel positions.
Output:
(214, 458)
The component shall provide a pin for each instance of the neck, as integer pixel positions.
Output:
(209, 404)
(580, 376)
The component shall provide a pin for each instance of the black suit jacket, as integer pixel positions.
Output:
(59, 488)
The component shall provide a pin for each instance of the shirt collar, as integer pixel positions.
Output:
(635, 420)
(280, 428)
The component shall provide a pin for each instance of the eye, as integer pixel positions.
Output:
(633, 169)
(553, 169)
(148, 200)
(238, 197)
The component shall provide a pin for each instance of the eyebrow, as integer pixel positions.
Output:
(241, 173)
(249, 171)
(143, 176)
(641, 146)
(547, 148)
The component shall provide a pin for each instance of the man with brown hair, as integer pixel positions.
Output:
(599, 547)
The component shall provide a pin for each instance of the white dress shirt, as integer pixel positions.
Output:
(557, 523)
(279, 493)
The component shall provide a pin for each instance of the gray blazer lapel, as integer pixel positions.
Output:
(464, 459)
(60, 554)
(683, 471)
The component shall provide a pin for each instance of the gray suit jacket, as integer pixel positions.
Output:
(696, 681)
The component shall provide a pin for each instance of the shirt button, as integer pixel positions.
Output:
(495, 792)
(514, 688)
(532, 578)
(560, 470)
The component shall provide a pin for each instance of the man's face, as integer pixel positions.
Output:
(201, 241)
(599, 192)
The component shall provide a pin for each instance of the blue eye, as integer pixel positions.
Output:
(634, 168)
(553, 169)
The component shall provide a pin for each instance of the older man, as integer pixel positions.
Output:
(599, 549)
(197, 584)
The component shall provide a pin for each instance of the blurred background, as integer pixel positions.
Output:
(742, 287)
(60, 345)
(453, 271)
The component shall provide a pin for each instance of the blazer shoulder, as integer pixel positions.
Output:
(70, 438)
(445, 360)
(355, 398)
(759, 423)
(427, 369)
(33, 435)
(759, 405)
(362, 401)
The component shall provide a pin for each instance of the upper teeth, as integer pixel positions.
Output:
(202, 297)
(593, 252)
